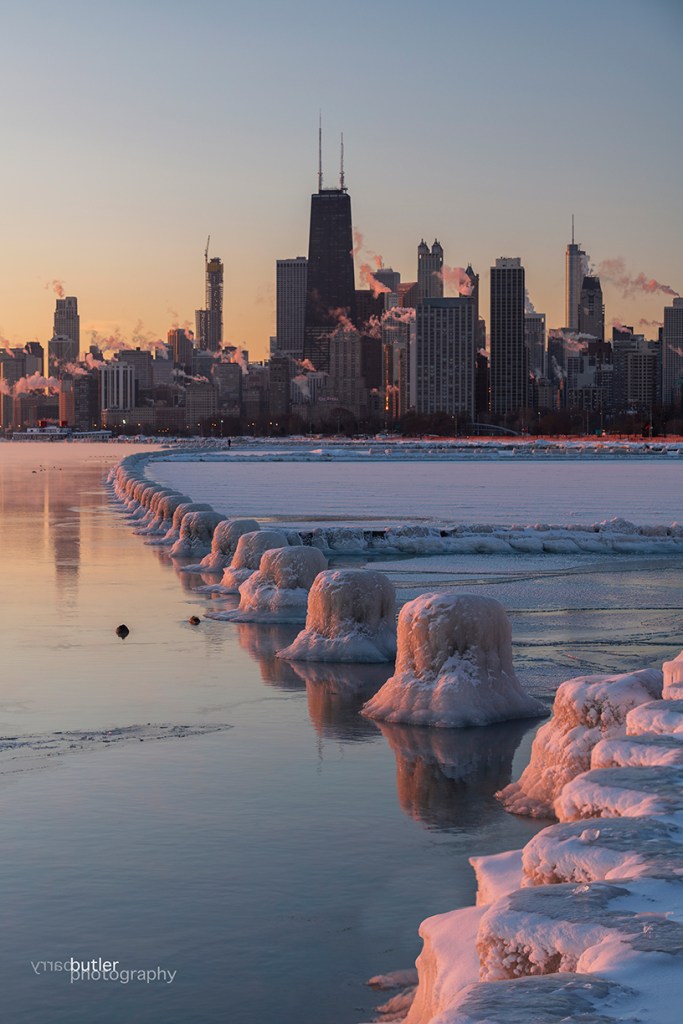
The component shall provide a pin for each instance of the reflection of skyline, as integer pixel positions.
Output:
(446, 778)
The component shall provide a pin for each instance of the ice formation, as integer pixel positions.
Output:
(351, 618)
(164, 508)
(454, 666)
(182, 508)
(673, 678)
(585, 710)
(196, 533)
(246, 560)
(586, 922)
(223, 545)
(278, 590)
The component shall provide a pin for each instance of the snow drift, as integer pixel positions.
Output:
(454, 666)
(351, 618)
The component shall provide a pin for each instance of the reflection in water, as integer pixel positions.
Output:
(262, 642)
(336, 693)
(446, 778)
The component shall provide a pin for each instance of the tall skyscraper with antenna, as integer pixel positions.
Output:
(330, 288)
(576, 268)
(209, 321)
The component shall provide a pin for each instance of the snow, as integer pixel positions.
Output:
(454, 666)
(585, 710)
(351, 618)
(182, 508)
(223, 545)
(656, 716)
(497, 875)
(196, 532)
(278, 591)
(648, 748)
(161, 521)
(247, 557)
(673, 677)
(622, 792)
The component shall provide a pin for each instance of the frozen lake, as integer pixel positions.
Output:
(276, 849)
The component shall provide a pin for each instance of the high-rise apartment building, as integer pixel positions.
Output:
(509, 362)
(398, 361)
(67, 324)
(291, 277)
(209, 321)
(117, 386)
(445, 356)
(429, 271)
(591, 309)
(576, 268)
(672, 355)
(534, 339)
(182, 348)
(330, 286)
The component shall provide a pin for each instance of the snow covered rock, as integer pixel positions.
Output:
(247, 558)
(278, 590)
(660, 716)
(351, 618)
(648, 748)
(603, 848)
(621, 792)
(585, 710)
(224, 544)
(454, 666)
(196, 531)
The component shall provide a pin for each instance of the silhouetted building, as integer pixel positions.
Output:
(591, 309)
(534, 339)
(388, 277)
(142, 363)
(280, 373)
(290, 310)
(445, 356)
(78, 404)
(398, 351)
(209, 321)
(330, 288)
(228, 378)
(67, 324)
(509, 363)
(429, 271)
(117, 386)
(182, 348)
(576, 265)
(672, 355)
(201, 404)
(636, 371)
(482, 384)
(35, 358)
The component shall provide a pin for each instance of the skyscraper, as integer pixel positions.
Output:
(67, 324)
(509, 363)
(576, 268)
(445, 356)
(429, 267)
(672, 355)
(330, 287)
(534, 339)
(209, 321)
(591, 309)
(290, 287)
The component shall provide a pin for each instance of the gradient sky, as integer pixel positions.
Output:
(132, 130)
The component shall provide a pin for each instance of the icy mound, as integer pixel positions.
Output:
(606, 848)
(351, 618)
(621, 792)
(497, 874)
(454, 666)
(224, 544)
(585, 710)
(196, 533)
(673, 678)
(631, 751)
(278, 591)
(552, 999)
(143, 495)
(150, 514)
(660, 716)
(547, 929)
(161, 521)
(182, 508)
(251, 546)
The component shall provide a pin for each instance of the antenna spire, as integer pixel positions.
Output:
(320, 151)
(341, 166)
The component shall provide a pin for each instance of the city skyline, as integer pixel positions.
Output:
(492, 169)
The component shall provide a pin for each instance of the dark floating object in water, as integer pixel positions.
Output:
(194, 620)
(122, 631)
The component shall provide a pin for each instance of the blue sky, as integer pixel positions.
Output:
(132, 131)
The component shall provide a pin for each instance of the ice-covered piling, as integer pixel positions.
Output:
(224, 544)
(246, 560)
(278, 591)
(196, 531)
(351, 618)
(454, 666)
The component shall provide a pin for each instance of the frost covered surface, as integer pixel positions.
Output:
(645, 749)
(660, 716)
(224, 544)
(608, 848)
(497, 875)
(586, 710)
(251, 547)
(351, 618)
(447, 964)
(161, 521)
(673, 678)
(454, 666)
(622, 792)
(196, 532)
(278, 591)
(182, 508)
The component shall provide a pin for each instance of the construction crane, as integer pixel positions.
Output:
(206, 251)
